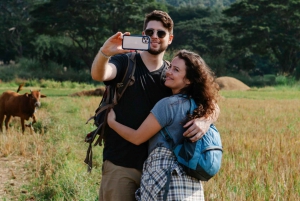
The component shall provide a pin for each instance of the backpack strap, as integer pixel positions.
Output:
(117, 92)
(165, 133)
(167, 184)
(167, 63)
(113, 93)
(163, 74)
(128, 78)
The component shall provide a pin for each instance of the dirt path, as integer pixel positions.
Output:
(13, 175)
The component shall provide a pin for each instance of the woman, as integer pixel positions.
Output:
(188, 77)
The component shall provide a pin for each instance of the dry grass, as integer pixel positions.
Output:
(260, 139)
(261, 154)
(96, 92)
(31, 165)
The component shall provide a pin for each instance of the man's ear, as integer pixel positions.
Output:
(170, 39)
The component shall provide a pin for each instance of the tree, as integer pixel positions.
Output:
(267, 28)
(14, 24)
(198, 3)
(199, 29)
(88, 23)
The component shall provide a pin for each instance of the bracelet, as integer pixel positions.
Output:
(104, 55)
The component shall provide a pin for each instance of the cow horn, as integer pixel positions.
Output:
(20, 87)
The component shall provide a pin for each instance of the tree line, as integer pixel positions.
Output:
(249, 35)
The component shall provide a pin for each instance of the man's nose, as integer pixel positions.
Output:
(154, 35)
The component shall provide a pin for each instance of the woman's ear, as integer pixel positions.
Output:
(187, 81)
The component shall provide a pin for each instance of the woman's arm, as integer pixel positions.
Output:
(147, 129)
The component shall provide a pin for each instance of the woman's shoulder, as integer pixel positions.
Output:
(174, 99)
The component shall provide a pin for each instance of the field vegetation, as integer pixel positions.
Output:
(260, 132)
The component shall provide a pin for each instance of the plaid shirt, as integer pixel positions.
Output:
(159, 163)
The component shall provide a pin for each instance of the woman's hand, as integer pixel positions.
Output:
(111, 117)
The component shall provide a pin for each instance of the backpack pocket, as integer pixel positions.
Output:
(201, 159)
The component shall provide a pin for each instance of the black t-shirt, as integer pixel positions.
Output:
(131, 110)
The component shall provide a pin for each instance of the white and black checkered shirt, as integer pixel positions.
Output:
(159, 163)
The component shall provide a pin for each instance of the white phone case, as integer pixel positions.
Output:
(136, 42)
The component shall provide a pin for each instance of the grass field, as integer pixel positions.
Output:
(260, 132)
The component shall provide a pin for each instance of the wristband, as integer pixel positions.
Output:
(104, 55)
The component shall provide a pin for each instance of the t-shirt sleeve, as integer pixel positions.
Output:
(163, 112)
(121, 62)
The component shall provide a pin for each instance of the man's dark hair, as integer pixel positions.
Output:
(161, 16)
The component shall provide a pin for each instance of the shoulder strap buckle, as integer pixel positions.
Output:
(120, 84)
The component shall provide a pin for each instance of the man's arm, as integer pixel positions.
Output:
(198, 127)
(101, 69)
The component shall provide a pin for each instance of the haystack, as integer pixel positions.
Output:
(230, 83)
(97, 92)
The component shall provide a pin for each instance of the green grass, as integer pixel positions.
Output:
(267, 93)
(48, 87)
(57, 151)
(260, 132)
(50, 92)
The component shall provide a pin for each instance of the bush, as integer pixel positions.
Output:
(266, 80)
(7, 73)
(297, 72)
(33, 70)
(281, 80)
(269, 79)
(286, 80)
(217, 64)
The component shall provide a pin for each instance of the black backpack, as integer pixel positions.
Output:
(111, 96)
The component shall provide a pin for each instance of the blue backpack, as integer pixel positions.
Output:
(201, 159)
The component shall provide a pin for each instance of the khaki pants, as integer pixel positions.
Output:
(118, 183)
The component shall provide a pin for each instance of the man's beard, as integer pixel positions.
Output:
(156, 52)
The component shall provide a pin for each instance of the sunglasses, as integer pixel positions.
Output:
(160, 33)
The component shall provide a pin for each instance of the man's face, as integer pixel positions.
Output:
(158, 43)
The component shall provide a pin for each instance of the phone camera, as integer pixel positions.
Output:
(145, 39)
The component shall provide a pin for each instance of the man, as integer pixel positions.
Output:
(123, 161)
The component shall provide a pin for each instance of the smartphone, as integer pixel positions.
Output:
(136, 42)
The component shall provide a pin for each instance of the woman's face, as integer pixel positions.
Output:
(175, 75)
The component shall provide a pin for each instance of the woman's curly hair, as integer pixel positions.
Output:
(203, 88)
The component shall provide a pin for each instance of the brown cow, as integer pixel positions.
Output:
(23, 106)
